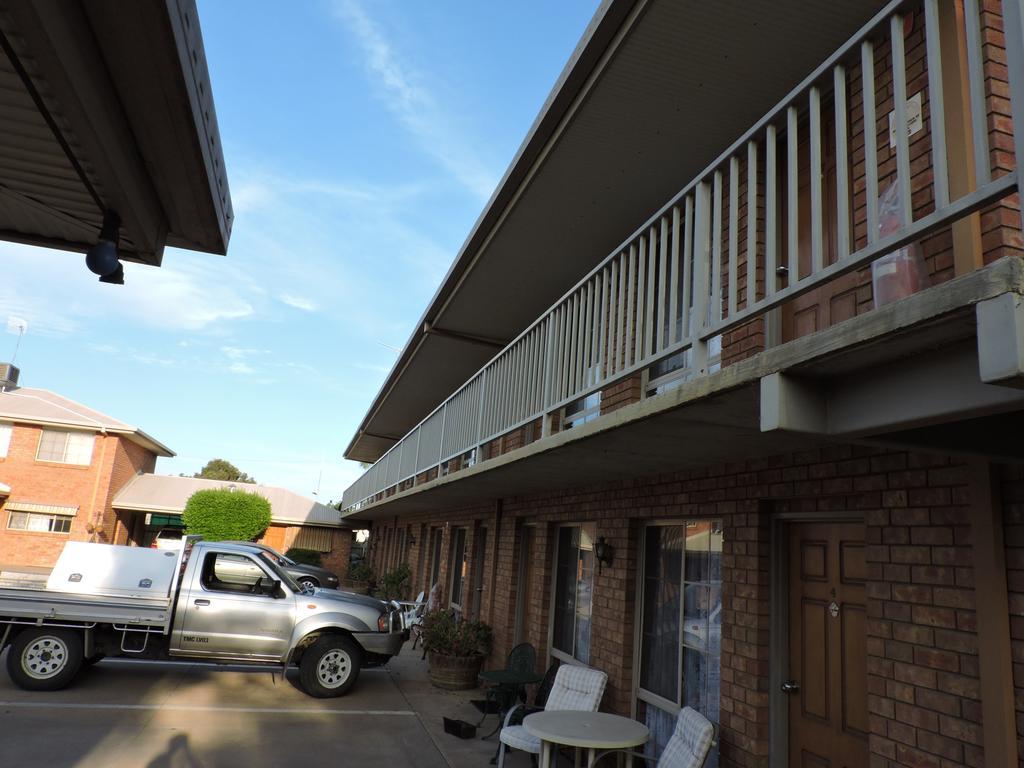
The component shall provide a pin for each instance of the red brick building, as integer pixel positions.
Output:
(63, 463)
(722, 395)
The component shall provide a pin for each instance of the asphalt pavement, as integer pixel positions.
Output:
(128, 714)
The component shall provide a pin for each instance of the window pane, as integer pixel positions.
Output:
(565, 589)
(659, 650)
(39, 523)
(458, 565)
(61, 524)
(79, 450)
(18, 521)
(5, 439)
(584, 591)
(51, 445)
(661, 725)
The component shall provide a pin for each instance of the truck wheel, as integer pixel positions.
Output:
(330, 667)
(45, 659)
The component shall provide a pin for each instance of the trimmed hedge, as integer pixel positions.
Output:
(219, 514)
(305, 556)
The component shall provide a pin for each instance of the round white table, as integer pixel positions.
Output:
(593, 731)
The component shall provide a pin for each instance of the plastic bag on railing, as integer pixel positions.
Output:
(902, 272)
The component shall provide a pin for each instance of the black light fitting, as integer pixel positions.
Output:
(101, 259)
(604, 552)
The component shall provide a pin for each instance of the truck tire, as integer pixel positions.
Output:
(44, 658)
(330, 667)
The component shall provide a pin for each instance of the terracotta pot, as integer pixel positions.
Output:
(454, 673)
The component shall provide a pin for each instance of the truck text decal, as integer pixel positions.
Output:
(194, 639)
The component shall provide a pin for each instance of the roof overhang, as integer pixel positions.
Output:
(122, 88)
(654, 91)
(5, 490)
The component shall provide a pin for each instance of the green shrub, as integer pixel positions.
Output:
(219, 514)
(443, 633)
(360, 572)
(394, 584)
(305, 556)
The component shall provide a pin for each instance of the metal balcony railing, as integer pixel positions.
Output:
(728, 247)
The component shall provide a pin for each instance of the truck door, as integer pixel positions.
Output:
(231, 612)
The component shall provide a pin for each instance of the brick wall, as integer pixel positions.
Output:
(921, 636)
(115, 460)
(1013, 505)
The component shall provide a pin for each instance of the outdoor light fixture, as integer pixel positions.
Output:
(102, 259)
(604, 552)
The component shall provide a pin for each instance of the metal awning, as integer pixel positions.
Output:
(108, 105)
(42, 509)
(654, 92)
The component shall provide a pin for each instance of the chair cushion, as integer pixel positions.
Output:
(690, 742)
(577, 688)
(516, 737)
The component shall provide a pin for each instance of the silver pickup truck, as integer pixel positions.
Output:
(208, 601)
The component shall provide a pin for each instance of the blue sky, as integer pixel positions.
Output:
(362, 139)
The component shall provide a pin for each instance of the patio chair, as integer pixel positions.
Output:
(412, 616)
(690, 744)
(522, 658)
(576, 688)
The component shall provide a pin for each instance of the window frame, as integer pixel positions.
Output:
(68, 434)
(641, 695)
(455, 538)
(208, 568)
(557, 653)
(53, 517)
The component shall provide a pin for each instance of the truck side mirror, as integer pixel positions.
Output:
(269, 586)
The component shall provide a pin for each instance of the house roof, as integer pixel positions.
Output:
(653, 93)
(168, 494)
(28, 405)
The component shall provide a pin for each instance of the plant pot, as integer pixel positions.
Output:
(359, 587)
(454, 673)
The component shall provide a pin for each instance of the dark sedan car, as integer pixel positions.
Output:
(306, 575)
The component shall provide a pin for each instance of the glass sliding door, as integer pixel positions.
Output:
(458, 568)
(679, 632)
(574, 588)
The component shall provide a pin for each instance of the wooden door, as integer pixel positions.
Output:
(827, 686)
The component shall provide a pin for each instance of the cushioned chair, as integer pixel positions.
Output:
(691, 741)
(575, 688)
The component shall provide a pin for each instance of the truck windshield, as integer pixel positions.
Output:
(271, 563)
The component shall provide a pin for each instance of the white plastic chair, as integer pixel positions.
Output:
(575, 688)
(412, 616)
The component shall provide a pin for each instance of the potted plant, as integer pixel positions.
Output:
(395, 583)
(358, 581)
(456, 649)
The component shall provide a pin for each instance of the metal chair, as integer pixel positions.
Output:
(522, 658)
(575, 688)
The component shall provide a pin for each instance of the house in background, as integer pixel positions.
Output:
(61, 464)
(149, 503)
(723, 394)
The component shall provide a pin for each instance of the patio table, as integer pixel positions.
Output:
(593, 731)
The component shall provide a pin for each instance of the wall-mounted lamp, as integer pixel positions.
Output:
(604, 552)
(102, 259)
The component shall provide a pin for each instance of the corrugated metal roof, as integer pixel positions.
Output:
(41, 406)
(169, 494)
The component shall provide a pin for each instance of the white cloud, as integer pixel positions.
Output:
(413, 104)
(241, 368)
(298, 302)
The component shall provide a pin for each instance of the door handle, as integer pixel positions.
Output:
(202, 601)
(790, 686)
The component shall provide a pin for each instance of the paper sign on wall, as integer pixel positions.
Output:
(915, 119)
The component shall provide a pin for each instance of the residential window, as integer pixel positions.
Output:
(583, 410)
(680, 627)
(574, 590)
(459, 567)
(435, 558)
(65, 447)
(318, 539)
(5, 439)
(39, 522)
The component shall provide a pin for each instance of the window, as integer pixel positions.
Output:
(459, 567)
(65, 447)
(318, 539)
(39, 522)
(5, 438)
(226, 572)
(574, 588)
(581, 411)
(680, 627)
(435, 557)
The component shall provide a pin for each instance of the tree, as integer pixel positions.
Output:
(221, 469)
(221, 514)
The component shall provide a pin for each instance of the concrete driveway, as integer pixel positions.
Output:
(158, 715)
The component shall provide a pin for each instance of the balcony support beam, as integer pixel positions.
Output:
(1001, 340)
